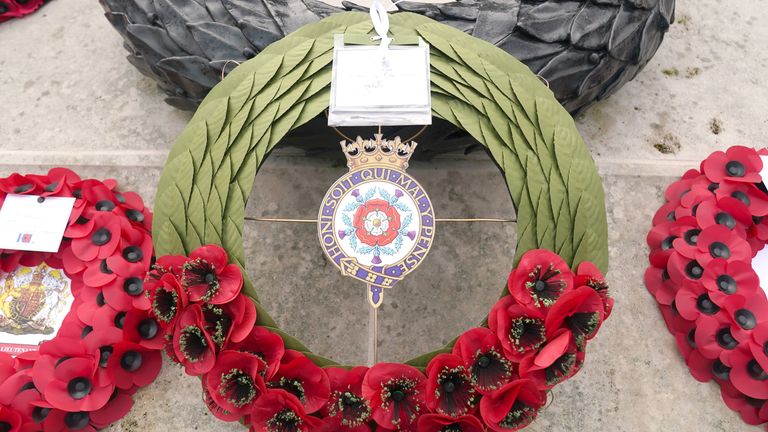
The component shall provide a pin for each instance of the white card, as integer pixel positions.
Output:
(32, 224)
(374, 86)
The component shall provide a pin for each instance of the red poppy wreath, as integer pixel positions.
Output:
(495, 377)
(108, 344)
(702, 244)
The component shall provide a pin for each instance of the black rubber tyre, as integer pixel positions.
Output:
(584, 49)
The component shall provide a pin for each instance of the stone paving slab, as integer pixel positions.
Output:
(67, 96)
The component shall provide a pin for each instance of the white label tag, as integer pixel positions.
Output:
(29, 224)
(374, 86)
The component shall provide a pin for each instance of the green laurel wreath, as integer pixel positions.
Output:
(550, 174)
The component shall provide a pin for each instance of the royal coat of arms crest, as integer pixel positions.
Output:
(376, 223)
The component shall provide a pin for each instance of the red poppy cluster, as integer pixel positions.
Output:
(701, 248)
(18, 8)
(108, 345)
(495, 378)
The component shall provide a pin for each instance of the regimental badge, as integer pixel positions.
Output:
(376, 223)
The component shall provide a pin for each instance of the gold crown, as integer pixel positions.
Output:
(37, 277)
(378, 151)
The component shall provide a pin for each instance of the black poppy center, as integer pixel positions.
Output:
(483, 361)
(691, 236)
(693, 270)
(756, 371)
(745, 319)
(725, 220)
(86, 331)
(131, 361)
(164, 304)
(133, 286)
(725, 339)
(527, 333)
(583, 323)
(735, 169)
(100, 301)
(720, 370)
(23, 188)
(104, 353)
(105, 206)
(104, 268)
(119, 320)
(726, 284)
(691, 337)
(133, 254)
(39, 414)
(667, 242)
(398, 396)
(5, 426)
(719, 250)
(741, 196)
(193, 343)
(490, 370)
(101, 237)
(79, 388)
(237, 387)
(148, 328)
(3, 8)
(292, 386)
(77, 420)
(210, 278)
(134, 215)
(545, 285)
(706, 306)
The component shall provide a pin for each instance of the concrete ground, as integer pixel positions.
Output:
(68, 97)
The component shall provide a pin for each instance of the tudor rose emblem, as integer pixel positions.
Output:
(376, 223)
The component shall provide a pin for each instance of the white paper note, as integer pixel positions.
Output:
(31, 223)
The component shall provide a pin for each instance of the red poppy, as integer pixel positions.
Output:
(134, 253)
(746, 313)
(748, 194)
(540, 279)
(279, 411)
(346, 409)
(682, 269)
(142, 328)
(132, 365)
(723, 278)
(660, 285)
(587, 274)
(118, 406)
(660, 240)
(167, 299)
(521, 330)
(234, 384)
(96, 239)
(299, 376)
(513, 406)
(558, 360)
(73, 385)
(752, 411)
(442, 422)
(748, 375)
(718, 241)
(449, 386)
(728, 212)
(232, 321)
(192, 345)
(737, 164)
(581, 311)
(19, 185)
(483, 357)
(62, 421)
(265, 344)
(678, 189)
(207, 276)
(713, 338)
(666, 213)
(376, 222)
(10, 420)
(692, 301)
(689, 204)
(126, 293)
(396, 394)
